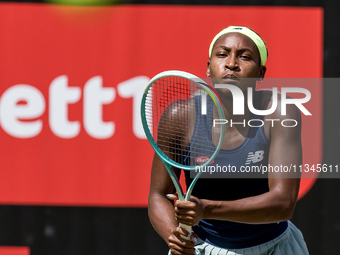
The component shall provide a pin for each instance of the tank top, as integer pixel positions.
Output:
(233, 184)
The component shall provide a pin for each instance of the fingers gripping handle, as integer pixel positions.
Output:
(187, 228)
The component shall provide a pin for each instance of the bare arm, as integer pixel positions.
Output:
(161, 209)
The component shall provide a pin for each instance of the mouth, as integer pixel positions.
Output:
(230, 76)
(229, 79)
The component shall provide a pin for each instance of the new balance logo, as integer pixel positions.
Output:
(254, 157)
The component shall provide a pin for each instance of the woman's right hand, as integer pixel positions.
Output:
(180, 246)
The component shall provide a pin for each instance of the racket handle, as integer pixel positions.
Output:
(187, 228)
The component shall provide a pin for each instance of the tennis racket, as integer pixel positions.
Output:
(175, 106)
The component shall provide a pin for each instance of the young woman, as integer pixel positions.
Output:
(237, 216)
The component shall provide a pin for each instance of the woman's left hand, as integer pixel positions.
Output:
(188, 212)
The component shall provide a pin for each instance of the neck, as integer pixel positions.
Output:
(232, 107)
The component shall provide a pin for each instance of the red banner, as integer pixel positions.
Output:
(71, 81)
(13, 250)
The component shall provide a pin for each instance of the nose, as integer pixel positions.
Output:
(231, 62)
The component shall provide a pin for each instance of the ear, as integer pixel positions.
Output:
(208, 68)
(263, 70)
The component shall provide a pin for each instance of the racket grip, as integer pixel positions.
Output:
(187, 228)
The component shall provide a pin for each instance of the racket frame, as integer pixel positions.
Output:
(168, 163)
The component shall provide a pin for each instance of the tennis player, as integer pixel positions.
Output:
(242, 215)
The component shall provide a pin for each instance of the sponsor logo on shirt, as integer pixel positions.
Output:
(254, 157)
(202, 159)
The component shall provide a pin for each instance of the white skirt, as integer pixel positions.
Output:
(290, 242)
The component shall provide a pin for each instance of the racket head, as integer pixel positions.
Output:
(170, 111)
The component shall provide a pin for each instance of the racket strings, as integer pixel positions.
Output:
(171, 113)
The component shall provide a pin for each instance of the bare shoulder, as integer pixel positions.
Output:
(179, 109)
(286, 118)
(176, 123)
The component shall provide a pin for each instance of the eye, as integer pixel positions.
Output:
(221, 54)
(245, 57)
